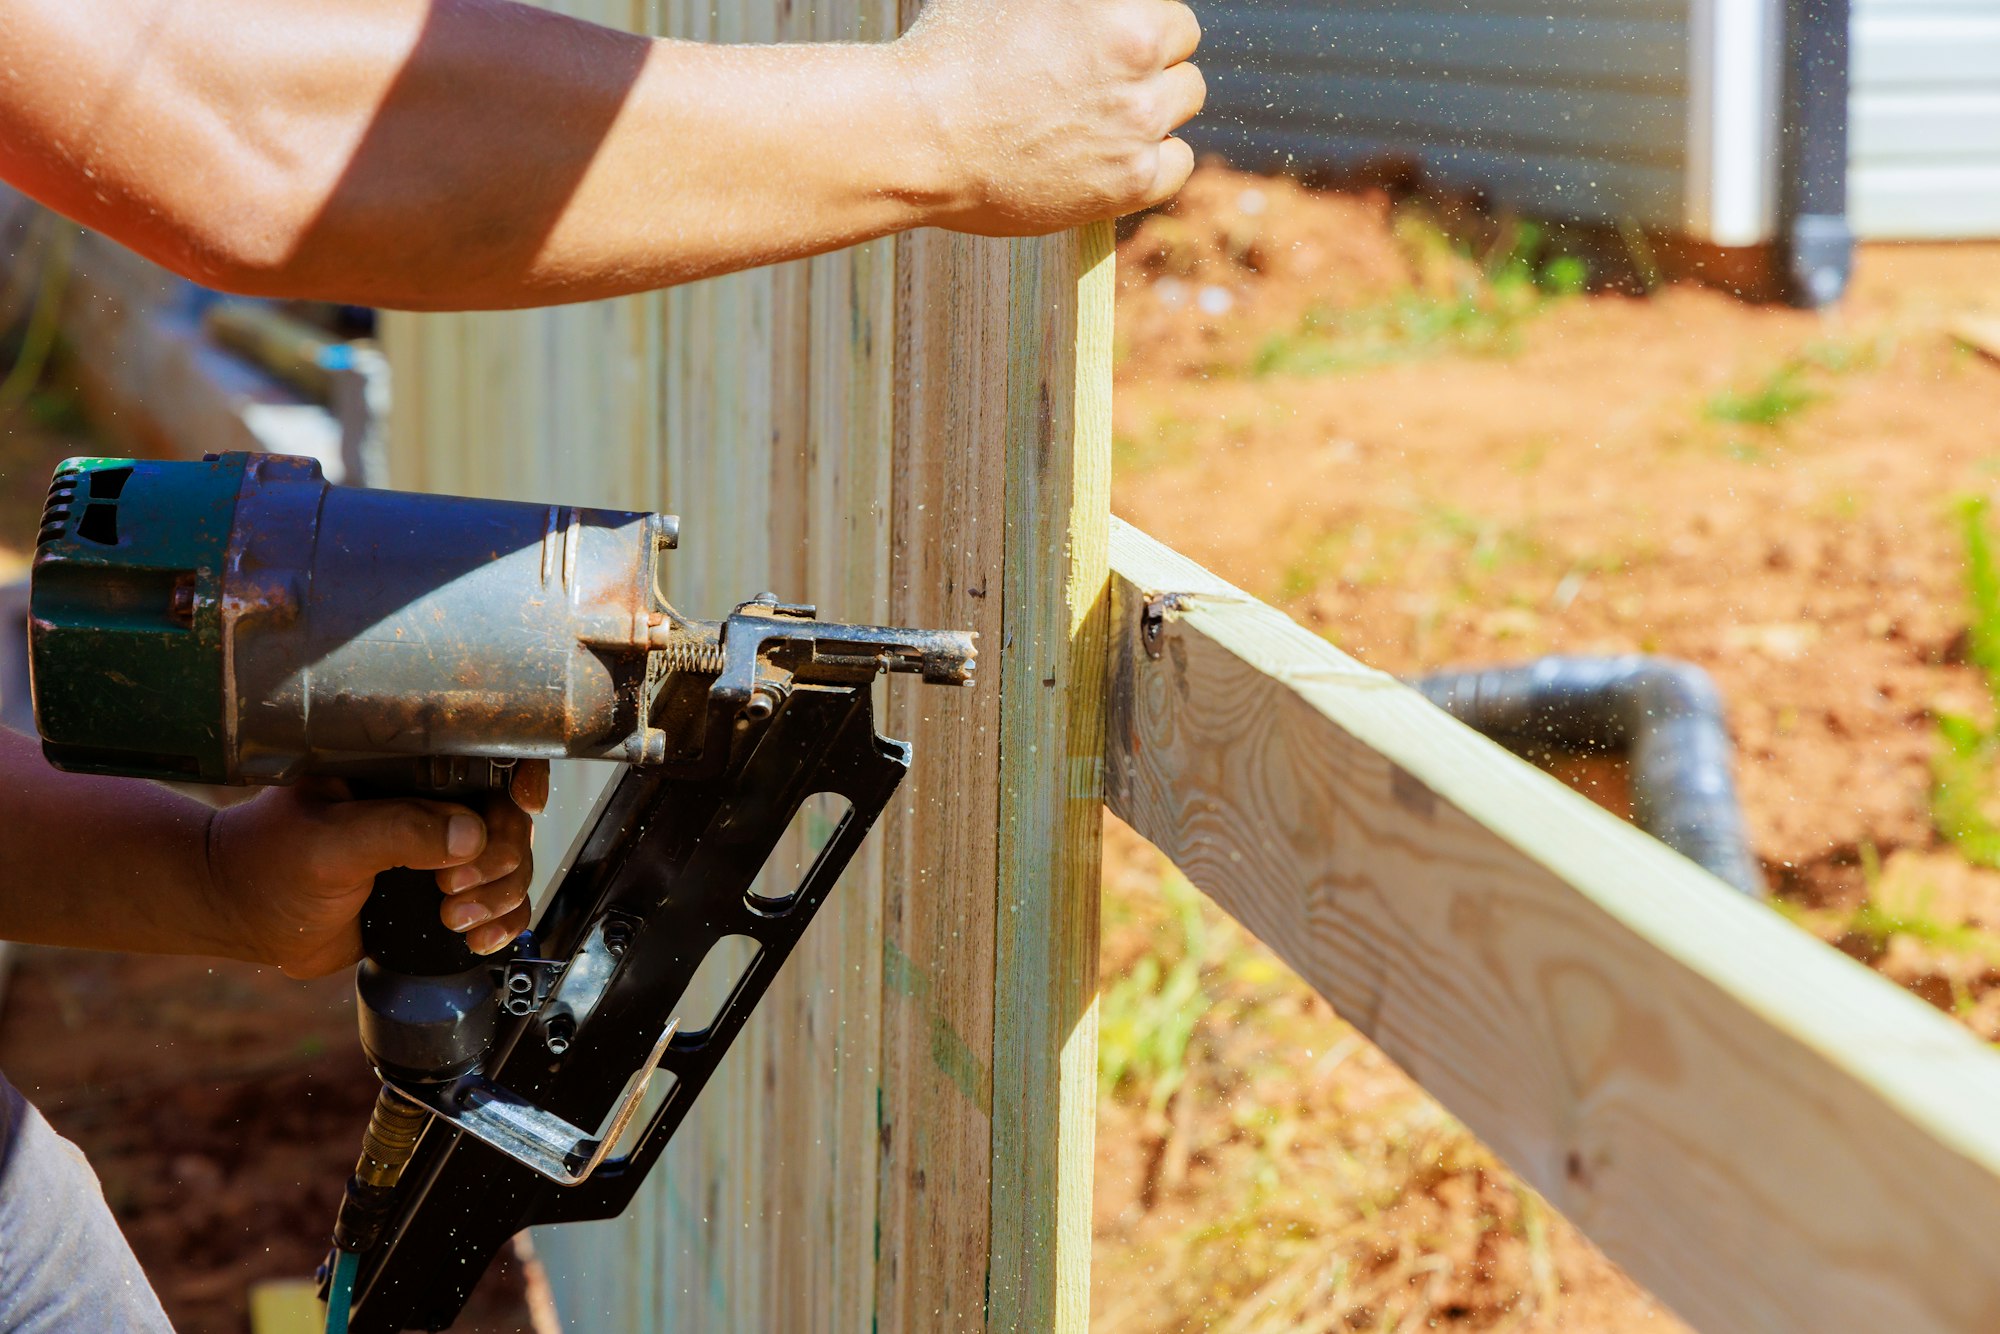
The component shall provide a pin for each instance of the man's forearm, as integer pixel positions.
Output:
(458, 154)
(555, 183)
(102, 863)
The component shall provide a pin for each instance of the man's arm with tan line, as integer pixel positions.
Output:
(442, 154)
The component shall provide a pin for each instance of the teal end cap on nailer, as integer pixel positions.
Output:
(125, 616)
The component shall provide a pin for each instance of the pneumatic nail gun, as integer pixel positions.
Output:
(239, 621)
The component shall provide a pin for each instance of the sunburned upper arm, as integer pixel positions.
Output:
(54, 80)
(205, 134)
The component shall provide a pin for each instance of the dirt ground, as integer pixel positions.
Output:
(1437, 455)
(222, 1106)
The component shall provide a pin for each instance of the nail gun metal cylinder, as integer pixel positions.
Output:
(346, 624)
(378, 622)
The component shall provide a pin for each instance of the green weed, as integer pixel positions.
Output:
(1460, 304)
(1295, 1139)
(1962, 767)
(1893, 906)
(1321, 560)
(1146, 1019)
(1521, 258)
(1477, 322)
(1789, 389)
(1982, 577)
(1781, 394)
(1169, 440)
(1483, 546)
(1469, 548)
(1877, 924)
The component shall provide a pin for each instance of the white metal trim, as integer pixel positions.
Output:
(1735, 81)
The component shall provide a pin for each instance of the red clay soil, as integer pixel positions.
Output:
(1577, 495)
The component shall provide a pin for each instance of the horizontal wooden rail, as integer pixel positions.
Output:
(1759, 1129)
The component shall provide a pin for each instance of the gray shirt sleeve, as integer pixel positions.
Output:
(64, 1266)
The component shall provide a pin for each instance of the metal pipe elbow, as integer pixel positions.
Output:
(1665, 715)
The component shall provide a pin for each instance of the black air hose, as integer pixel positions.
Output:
(1665, 715)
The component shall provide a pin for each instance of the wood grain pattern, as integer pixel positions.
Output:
(1765, 1133)
(1051, 800)
(914, 431)
(938, 960)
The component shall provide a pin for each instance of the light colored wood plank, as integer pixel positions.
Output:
(286, 1306)
(1760, 1130)
(1051, 788)
(1980, 332)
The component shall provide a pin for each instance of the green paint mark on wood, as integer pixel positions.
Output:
(950, 1053)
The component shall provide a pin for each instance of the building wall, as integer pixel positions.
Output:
(1924, 135)
(1577, 108)
(1660, 112)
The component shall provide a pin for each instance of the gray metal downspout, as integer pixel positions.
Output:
(1815, 241)
(1665, 715)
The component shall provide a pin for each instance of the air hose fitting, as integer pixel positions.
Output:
(386, 1147)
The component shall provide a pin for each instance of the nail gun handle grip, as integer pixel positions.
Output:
(401, 930)
(400, 926)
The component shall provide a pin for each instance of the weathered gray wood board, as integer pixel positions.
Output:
(1760, 1130)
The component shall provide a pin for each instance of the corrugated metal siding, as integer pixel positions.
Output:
(1924, 133)
(1575, 108)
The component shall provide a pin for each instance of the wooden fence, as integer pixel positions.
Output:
(1762, 1131)
(917, 431)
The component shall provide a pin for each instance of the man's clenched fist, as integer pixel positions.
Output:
(289, 871)
(1049, 113)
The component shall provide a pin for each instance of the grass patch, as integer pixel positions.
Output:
(1169, 440)
(1147, 1018)
(1461, 304)
(1878, 924)
(1324, 558)
(1406, 327)
(1962, 788)
(1781, 394)
(1900, 901)
(1286, 1176)
(1460, 550)
(1788, 389)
